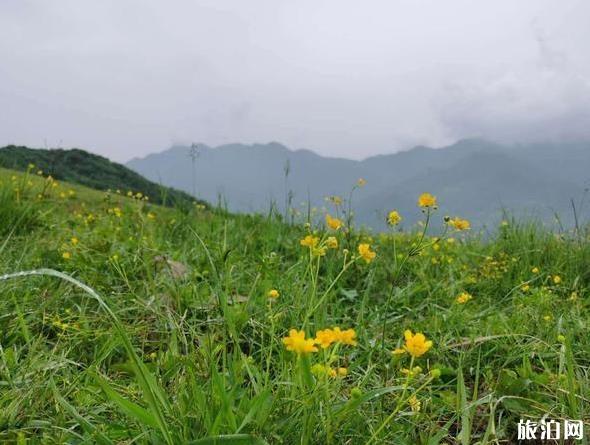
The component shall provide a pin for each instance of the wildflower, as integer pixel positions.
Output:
(556, 279)
(332, 242)
(394, 218)
(31, 166)
(416, 344)
(361, 182)
(398, 351)
(459, 224)
(535, 270)
(547, 317)
(414, 403)
(463, 298)
(342, 372)
(40, 172)
(74, 241)
(309, 241)
(333, 223)
(66, 256)
(273, 293)
(130, 193)
(366, 253)
(525, 287)
(336, 200)
(297, 342)
(151, 215)
(324, 338)
(346, 337)
(117, 212)
(426, 200)
(561, 338)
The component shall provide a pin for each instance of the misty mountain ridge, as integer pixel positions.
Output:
(473, 178)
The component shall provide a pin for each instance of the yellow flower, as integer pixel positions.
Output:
(426, 200)
(66, 256)
(333, 223)
(361, 182)
(39, 172)
(535, 270)
(309, 241)
(547, 317)
(332, 242)
(150, 215)
(394, 218)
(297, 342)
(342, 372)
(74, 241)
(525, 287)
(273, 293)
(398, 351)
(556, 279)
(366, 253)
(324, 338)
(416, 344)
(336, 200)
(463, 297)
(346, 337)
(414, 403)
(459, 224)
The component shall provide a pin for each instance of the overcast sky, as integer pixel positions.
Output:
(343, 78)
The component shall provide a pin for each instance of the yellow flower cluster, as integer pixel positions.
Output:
(463, 298)
(310, 241)
(297, 342)
(326, 337)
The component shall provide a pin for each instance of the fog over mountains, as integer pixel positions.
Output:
(472, 178)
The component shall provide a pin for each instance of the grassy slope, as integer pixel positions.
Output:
(81, 167)
(212, 340)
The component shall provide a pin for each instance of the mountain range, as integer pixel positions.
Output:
(473, 178)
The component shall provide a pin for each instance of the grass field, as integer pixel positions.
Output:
(144, 324)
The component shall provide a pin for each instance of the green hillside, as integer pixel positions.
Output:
(80, 167)
(126, 322)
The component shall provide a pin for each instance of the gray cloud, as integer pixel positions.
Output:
(341, 77)
(546, 98)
